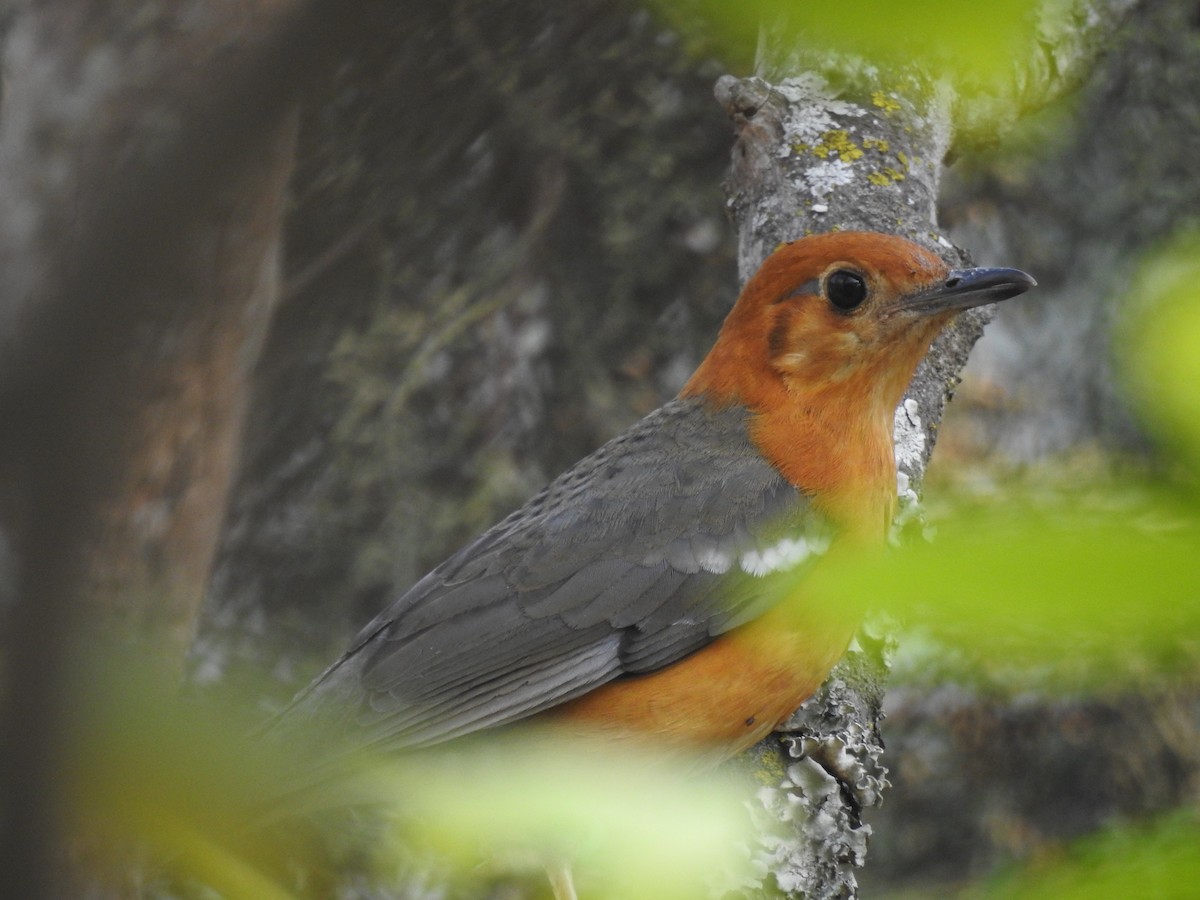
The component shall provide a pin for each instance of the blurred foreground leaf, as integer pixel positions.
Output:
(629, 824)
(1160, 345)
(150, 774)
(1160, 861)
(1019, 586)
(978, 42)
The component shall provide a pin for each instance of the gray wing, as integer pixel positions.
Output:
(622, 565)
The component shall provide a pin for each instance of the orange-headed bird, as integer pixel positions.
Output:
(627, 595)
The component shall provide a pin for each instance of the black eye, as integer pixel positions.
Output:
(845, 289)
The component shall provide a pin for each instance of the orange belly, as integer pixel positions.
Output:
(726, 696)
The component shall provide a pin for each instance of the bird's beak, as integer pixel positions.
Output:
(965, 288)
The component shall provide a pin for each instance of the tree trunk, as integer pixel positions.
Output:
(809, 159)
(866, 155)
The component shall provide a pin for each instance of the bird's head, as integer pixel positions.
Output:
(845, 312)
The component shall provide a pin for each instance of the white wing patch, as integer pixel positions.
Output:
(784, 554)
(714, 561)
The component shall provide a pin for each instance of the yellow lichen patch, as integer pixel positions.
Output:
(838, 141)
(888, 104)
(903, 157)
(876, 144)
(801, 147)
(885, 176)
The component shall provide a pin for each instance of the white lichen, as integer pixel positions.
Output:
(820, 179)
(909, 432)
(812, 108)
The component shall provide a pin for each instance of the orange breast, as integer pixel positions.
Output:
(725, 697)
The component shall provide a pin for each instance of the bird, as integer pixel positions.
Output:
(629, 597)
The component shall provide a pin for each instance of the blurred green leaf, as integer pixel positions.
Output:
(151, 774)
(628, 821)
(1020, 586)
(1160, 861)
(1160, 345)
(215, 806)
(977, 41)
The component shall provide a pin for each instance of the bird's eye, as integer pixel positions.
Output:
(846, 290)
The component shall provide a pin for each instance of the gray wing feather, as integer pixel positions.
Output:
(617, 567)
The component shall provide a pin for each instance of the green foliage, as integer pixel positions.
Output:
(149, 776)
(1024, 588)
(1158, 860)
(1161, 346)
(216, 807)
(974, 41)
(628, 822)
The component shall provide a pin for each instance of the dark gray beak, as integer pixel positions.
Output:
(965, 288)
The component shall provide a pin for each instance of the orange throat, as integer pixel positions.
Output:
(845, 462)
(830, 433)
